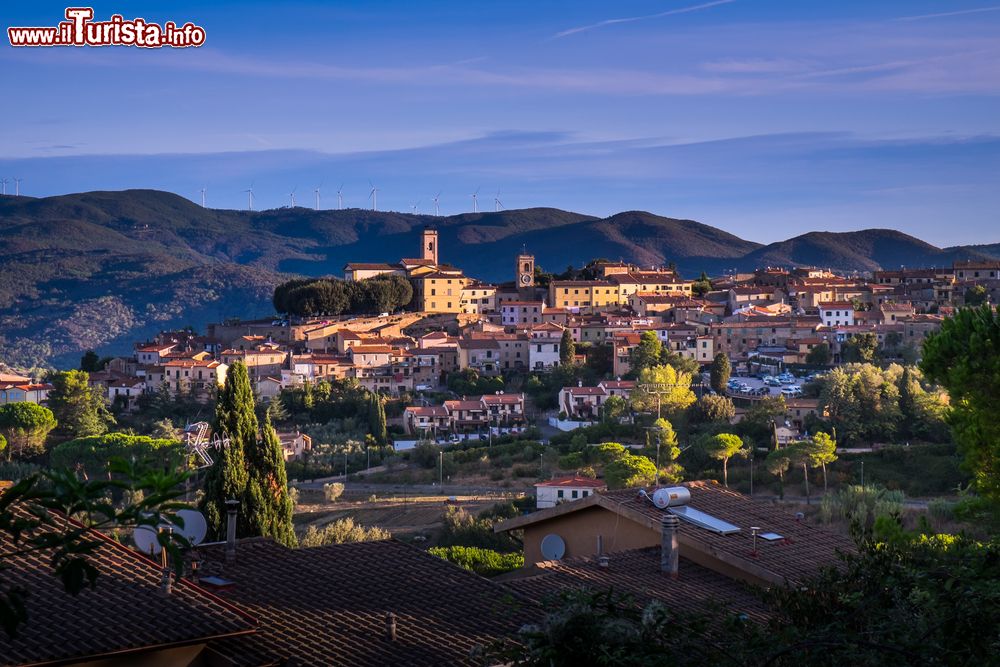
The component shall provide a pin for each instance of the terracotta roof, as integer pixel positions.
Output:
(585, 391)
(125, 612)
(587, 482)
(427, 411)
(618, 384)
(508, 399)
(372, 266)
(327, 605)
(637, 573)
(836, 304)
(803, 550)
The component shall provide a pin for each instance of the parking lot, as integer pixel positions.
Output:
(752, 387)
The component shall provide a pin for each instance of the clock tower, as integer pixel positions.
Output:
(524, 272)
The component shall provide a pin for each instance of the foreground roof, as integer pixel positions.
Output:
(637, 573)
(802, 550)
(125, 612)
(328, 605)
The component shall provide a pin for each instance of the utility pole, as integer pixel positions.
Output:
(441, 470)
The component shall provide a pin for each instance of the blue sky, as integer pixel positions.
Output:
(765, 118)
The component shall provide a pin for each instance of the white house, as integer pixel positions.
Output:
(836, 313)
(564, 490)
(543, 354)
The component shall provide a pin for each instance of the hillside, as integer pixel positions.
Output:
(103, 269)
(866, 250)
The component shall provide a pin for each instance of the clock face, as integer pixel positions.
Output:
(525, 278)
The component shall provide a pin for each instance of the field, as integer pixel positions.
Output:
(406, 517)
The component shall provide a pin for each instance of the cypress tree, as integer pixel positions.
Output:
(269, 507)
(227, 478)
(376, 419)
(567, 349)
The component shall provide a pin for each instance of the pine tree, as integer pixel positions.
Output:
(269, 506)
(907, 402)
(227, 478)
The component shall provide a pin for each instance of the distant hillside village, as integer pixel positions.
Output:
(768, 319)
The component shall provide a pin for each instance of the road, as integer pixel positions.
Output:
(417, 489)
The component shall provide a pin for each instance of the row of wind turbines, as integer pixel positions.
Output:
(17, 186)
(372, 196)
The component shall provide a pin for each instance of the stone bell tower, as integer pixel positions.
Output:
(524, 275)
(429, 244)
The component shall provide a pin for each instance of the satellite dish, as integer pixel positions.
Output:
(195, 527)
(553, 547)
(671, 497)
(145, 540)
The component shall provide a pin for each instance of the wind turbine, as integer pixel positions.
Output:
(249, 192)
(414, 207)
(373, 195)
(203, 197)
(3, 181)
(17, 187)
(475, 200)
(317, 195)
(340, 197)
(497, 204)
(437, 209)
(292, 195)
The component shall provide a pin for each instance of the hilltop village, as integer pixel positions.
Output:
(763, 322)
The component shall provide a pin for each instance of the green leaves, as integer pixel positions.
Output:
(35, 514)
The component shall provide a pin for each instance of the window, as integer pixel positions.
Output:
(576, 494)
(560, 493)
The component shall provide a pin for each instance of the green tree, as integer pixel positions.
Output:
(719, 373)
(614, 409)
(862, 402)
(628, 471)
(822, 452)
(976, 296)
(376, 420)
(860, 348)
(820, 355)
(79, 409)
(711, 409)
(662, 388)
(25, 427)
(269, 504)
(702, 286)
(227, 478)
(646, 354)
(567, 349)
(964, 358)
(90, 362)
(723, 447)
(778, 462)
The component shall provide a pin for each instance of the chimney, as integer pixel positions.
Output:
(233, 507)
(390, 626)
(166, 582)
(669, 551)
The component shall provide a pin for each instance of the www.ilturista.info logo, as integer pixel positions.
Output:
(81, 30)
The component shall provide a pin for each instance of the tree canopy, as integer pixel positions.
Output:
(327, 296)
(720, 372)
(25, 427)
(79, 409)
(964, 358)
(664, 386)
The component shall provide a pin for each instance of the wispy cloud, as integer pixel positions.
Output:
(941, 15)
(632, 19)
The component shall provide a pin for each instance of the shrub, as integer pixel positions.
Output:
(93, 452)
(854, 503)
(463, 529)
(342, 531)
(333, 491)
(293, 495)
(485, 562)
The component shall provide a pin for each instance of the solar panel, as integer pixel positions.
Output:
(703, 520)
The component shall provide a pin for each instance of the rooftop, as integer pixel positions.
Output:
(575, 481)
(328, 605)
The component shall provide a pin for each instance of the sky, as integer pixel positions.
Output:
(767, 119)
